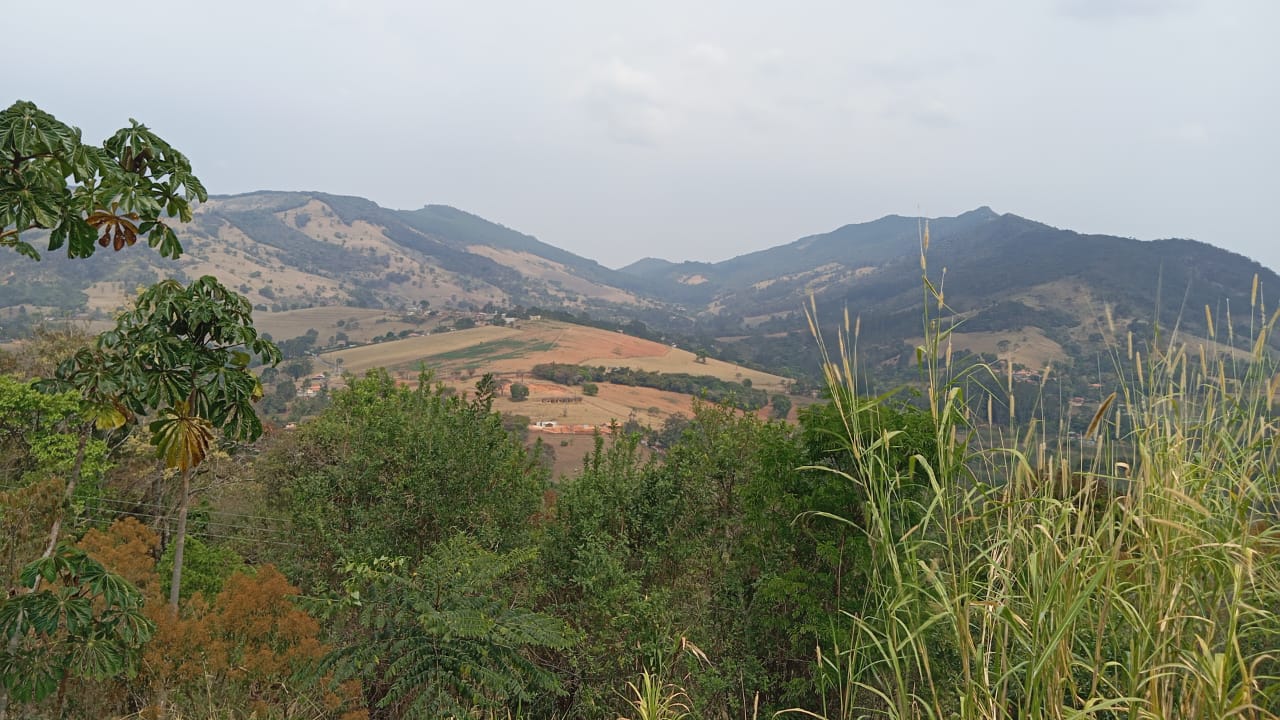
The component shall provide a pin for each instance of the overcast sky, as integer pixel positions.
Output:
(697, 130)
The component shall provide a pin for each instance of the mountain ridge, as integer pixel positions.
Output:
(286, 250)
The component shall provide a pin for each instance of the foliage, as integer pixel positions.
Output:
(188, 351)
(85, 624)
(446, 637)
(112, 194)
(519, 392)
(388, 470)
(590, 389)
(205, 568)
(302, 366)
(185, 352)
(41, 350)
(780, 405)
(40, 436)
(1127, 581)
(36, 429)
(707, 387)
(700, 550)
(654, 699)
(248, 647)
(252, 643)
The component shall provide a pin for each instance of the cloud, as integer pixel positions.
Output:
(709, 54)
(932, 114)
(1108, 10)
(1189, 133)
(629, 103)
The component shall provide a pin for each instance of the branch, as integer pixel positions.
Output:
(19, 159)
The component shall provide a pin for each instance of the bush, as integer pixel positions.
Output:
(519, 392)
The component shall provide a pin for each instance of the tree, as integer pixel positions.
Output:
(446, 462)
(87, 623)
(241, 645)
(183, 351)
(113, 194)
(448, 636)
(299, 368)
(519, 392)
(43, 443)
(781, 406)
(590, 389)
(50, 181)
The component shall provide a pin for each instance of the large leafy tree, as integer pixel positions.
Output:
(388, 470)
(112, 194)
(182, 353)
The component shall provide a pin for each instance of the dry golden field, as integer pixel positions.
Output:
(460, 357)
(404, 354)
(516, 349)
(292, 323)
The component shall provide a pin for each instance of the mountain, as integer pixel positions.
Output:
(1048, 291)
(286, 250)
(1052, 295)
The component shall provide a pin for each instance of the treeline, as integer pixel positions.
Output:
(482, 588)
(740, 395)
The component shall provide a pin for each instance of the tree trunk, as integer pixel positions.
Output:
(184, 504)
(56, 529)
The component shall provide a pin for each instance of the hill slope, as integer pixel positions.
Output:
(286, 250)
(1054, 291)
(1005, 275)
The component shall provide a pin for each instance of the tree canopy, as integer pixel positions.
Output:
(112, 194)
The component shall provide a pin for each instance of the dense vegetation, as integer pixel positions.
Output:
(708, 387)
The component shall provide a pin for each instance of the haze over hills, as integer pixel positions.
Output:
(1052, 288)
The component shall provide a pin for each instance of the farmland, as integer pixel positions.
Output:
(459, 357)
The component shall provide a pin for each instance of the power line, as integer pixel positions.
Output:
(131, 503)
(198, 533)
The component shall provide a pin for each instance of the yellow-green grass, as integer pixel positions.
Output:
(408, 351)
(324, 320)
(1135, 579)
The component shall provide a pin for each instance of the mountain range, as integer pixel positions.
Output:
(1051, 290)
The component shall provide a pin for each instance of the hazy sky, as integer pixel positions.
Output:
(697, 130)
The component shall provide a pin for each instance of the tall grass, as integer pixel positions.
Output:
(1135, 577)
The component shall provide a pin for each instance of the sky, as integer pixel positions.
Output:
(696, 130)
